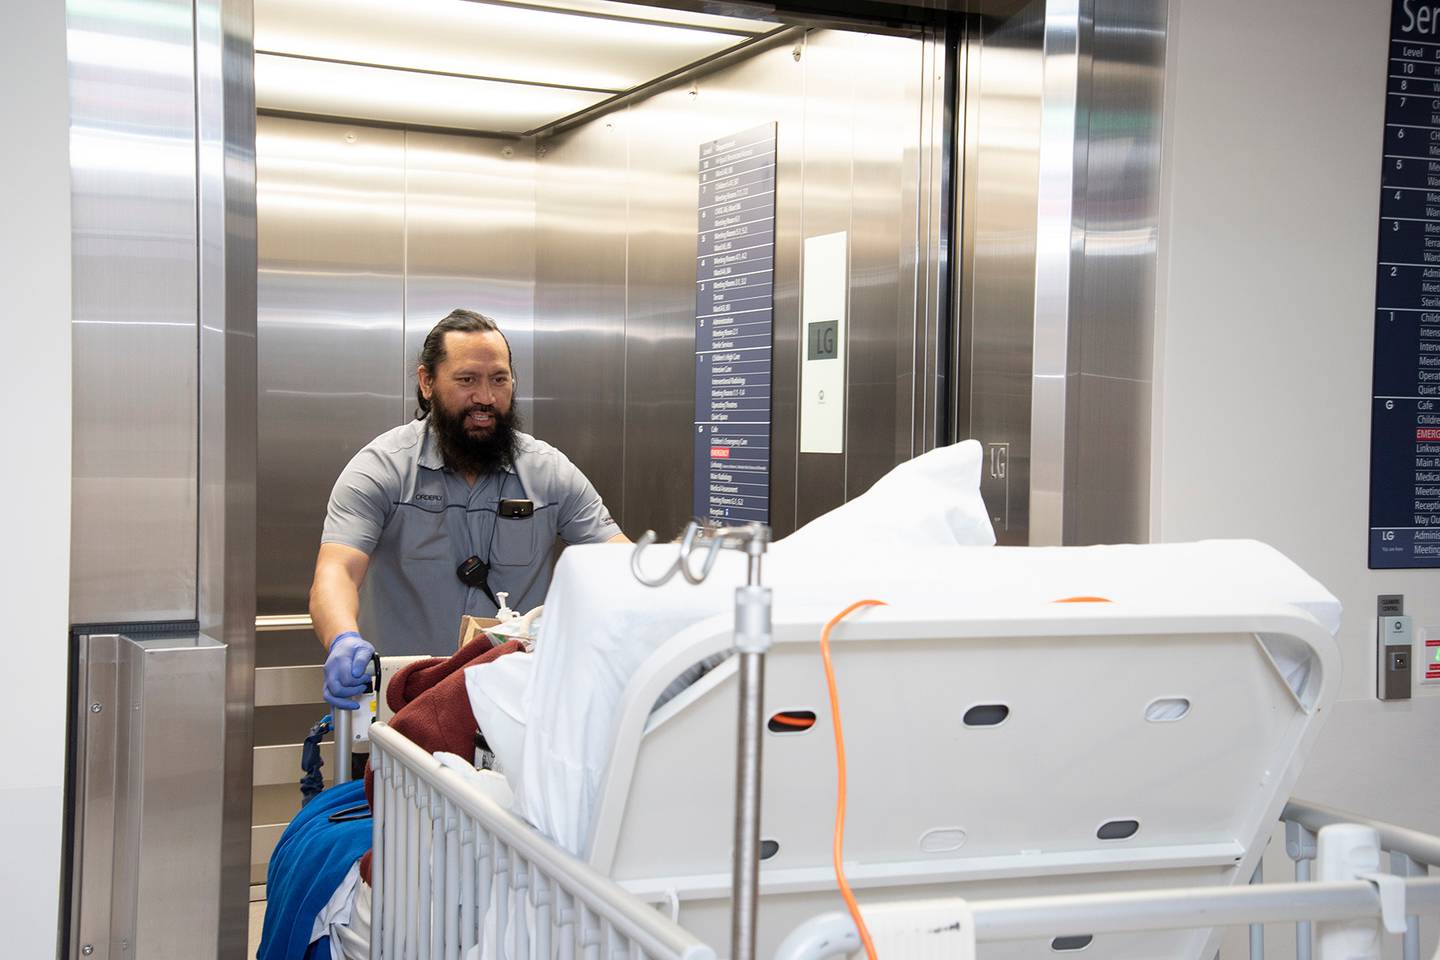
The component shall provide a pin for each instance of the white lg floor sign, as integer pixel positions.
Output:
(825, 287)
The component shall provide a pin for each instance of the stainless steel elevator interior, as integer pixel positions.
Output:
(581, 243)
(957, 149)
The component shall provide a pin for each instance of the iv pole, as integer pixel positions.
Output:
(752, 640)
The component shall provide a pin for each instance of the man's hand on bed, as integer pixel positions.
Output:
(345, 666)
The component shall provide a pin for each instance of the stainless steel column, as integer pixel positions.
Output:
(162, 164)
(225, 593)
(1115, 249)
(132, 160)
(1055, 215)
(1061, 165)
(150, 725)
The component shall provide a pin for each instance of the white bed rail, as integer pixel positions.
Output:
(992, 921)
(453, 869)
(1412, 854)
(1378, 902)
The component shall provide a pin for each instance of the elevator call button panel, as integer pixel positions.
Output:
(1395, 644)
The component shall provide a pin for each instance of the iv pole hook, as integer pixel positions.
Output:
(688, 546)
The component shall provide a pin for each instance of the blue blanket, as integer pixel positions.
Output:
(309, 862)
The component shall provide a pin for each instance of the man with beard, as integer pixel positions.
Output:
(437, 517)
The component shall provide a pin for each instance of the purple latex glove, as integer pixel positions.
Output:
(345, 670)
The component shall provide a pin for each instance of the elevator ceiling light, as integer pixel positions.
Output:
(637, 11)
(358, 92)
(581, 47)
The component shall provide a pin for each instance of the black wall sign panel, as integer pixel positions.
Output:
(734, 324)
(1405, 402)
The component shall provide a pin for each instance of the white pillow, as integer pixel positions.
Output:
(931, 501)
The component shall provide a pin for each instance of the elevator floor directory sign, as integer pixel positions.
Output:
(1405, 405)
(734, 324)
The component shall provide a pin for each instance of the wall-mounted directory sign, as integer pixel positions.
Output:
(1405, 412)
(734, 323)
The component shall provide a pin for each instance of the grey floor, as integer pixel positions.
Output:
(257, 917)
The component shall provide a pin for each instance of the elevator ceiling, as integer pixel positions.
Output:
(495, 67)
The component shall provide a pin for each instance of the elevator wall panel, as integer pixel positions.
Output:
(826, 194)
(665, 134)
(789, 248)
(615, 295)
(886, 124)
(997, 265)
(659, 346)
(580, 297)
(331, 215)
(133, 182)
(470, 242)
(367, 237)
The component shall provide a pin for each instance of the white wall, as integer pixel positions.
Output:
(35, 418)
(1265, 323)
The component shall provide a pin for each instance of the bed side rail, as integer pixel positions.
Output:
(452, 868)
(1355, 902)
(833, 934)
(1412, 854)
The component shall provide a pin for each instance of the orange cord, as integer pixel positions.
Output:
(845, 891)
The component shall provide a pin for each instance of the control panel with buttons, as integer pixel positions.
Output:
(1395, 636)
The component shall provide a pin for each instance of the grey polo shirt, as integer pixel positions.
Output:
(417, 520)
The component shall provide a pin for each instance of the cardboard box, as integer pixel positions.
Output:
(471, 627)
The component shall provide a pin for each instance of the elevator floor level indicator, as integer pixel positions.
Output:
(823, 340)
(825, 285)
(1405, 398)
(734, 324)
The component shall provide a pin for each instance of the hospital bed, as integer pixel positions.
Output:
(1001, 743)
(997, 749)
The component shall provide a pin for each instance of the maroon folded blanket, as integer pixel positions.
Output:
(432, 707)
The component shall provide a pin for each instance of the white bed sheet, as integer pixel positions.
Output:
(557, 707)
(930, 501)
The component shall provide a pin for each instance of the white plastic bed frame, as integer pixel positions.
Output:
(1135, 749)
(1355, 899)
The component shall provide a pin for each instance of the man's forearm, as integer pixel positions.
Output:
(334, 606)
